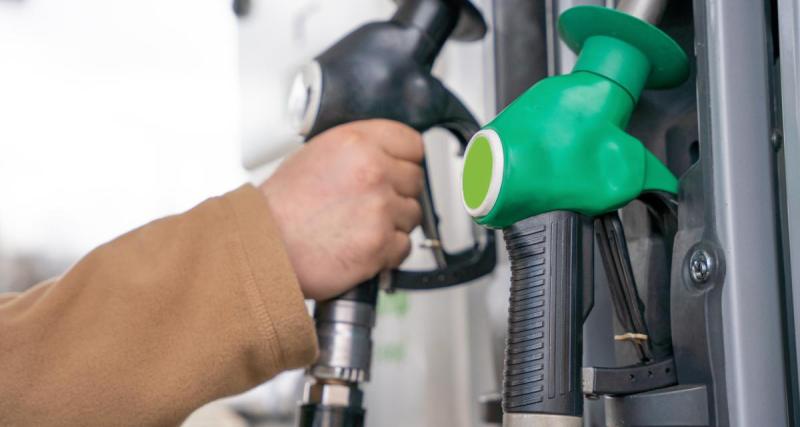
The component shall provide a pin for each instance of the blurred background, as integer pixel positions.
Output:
(114, 113)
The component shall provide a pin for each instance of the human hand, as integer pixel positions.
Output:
(346, 202)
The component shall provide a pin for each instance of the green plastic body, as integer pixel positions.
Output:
(563, 143)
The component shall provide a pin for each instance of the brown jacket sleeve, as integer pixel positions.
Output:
(157, 322)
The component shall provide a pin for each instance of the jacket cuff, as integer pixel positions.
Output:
(276, 300)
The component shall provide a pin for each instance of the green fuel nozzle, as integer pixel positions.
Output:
(561, 145)
(549, 163)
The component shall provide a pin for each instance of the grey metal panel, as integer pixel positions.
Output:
(789, 26)
(745, 209)
(682, 405)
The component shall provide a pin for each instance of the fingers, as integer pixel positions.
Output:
(406, 213)
(394, 138)
(385, 210)
(406, 178)
(398, 249)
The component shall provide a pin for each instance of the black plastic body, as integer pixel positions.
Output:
(470, 25)
(383, 70)
(433, 18)
(551, 264)
(316, 415)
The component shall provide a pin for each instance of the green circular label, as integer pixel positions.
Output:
(477, 172)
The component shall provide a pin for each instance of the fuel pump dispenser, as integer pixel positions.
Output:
(550, 171)
(704, 332)
(383, 70)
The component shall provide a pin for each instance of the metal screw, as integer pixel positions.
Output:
(700, 266)
(776, 138)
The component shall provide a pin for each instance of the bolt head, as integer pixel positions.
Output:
(700, 266)
(777, 139)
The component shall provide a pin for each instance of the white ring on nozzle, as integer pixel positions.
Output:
(304, 97)
(498, 162)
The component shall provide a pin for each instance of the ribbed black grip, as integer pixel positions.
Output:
(550, 261)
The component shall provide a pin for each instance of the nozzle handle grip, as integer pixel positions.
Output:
(551, 256)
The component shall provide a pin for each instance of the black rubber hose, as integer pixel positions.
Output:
(551, 257)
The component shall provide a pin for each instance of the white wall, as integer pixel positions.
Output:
(112, 113)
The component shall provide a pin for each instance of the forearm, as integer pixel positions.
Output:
(150, 326)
